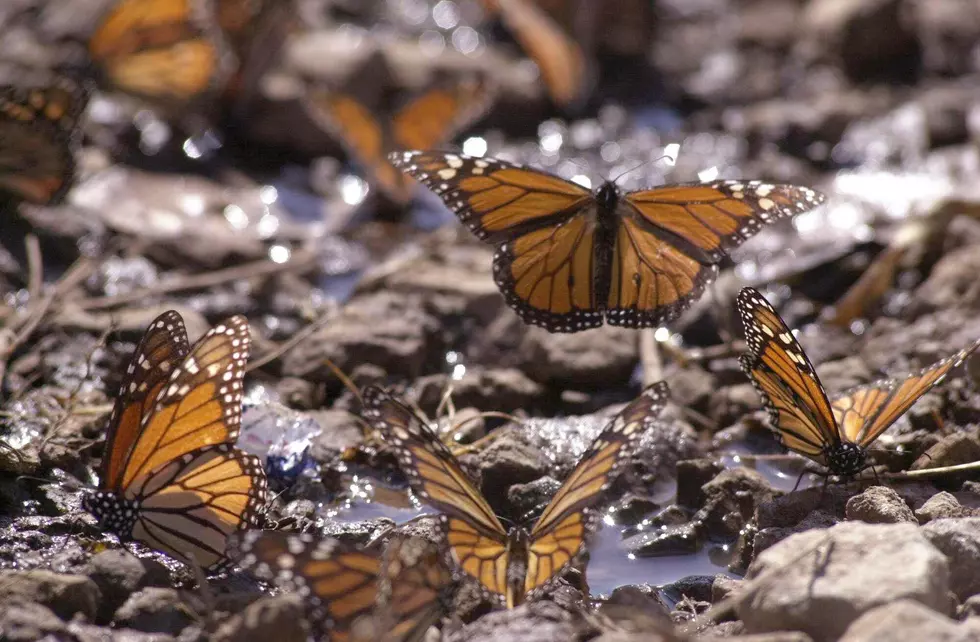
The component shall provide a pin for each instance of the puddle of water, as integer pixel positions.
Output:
(611, 566)
(780, 473)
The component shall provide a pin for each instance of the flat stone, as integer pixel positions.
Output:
(280, 618)
(942, 505)
(822, 580)
(66, 595)
(155, 610)
(959, 541)
(908, 621)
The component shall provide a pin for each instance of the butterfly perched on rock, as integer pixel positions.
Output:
(569, 259)
(834, 433)
(39, 136)
(171, 476)
(516, 564)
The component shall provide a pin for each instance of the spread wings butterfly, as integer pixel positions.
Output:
(369, 131)
(568, 259)
(834, 433)
(357, 594)
(511, 565)
(170, 476)
(167, 51)
(38, 138)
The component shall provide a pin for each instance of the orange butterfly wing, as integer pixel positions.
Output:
(477, 539)
(38, 137)
(545, 260)
(414, 591)
(563, 529)
(560, 59)
(162, 347)
(864, 412)
(797, 404)
(164, 50)
(189, 507)
(199, 405)
(339, 579)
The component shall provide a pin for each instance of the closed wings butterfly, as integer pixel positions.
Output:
(167, 51)
(38, 138)
(369, 132)
(834, 433)
(356, 594)
(567, 258)
(516, 564)
(171, 477)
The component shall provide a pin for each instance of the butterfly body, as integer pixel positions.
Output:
(516, 564)
(569, 259)
(846, 458)
(835, 433)
(171, 477)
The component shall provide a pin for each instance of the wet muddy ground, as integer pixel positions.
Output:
(875, 103)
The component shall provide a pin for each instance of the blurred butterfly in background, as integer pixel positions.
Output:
(256, 30)
(171, 477)
(517, 564)
(559, 57)
(356, 594)
(836, 434)
(370, 128)
(569, 258)
(169, 52)
(38, 138)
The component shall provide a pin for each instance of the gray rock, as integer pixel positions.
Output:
(969, 608)
(118, 574)
(26, 621)
(866, 38)
(942, 505)
(531, 622)
(723, 586)
(821, 581)
(500, 389)
(879, 505)
(155, 610)
(908, 621)
(692, 475)
(278, 618)
(392, 330)
(606, 354)
(958, 448)
(959, 540)
(66, 595)
(90, 633)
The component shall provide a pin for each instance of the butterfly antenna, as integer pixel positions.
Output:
(646, 162)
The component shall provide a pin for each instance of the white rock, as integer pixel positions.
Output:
(908, 621)
(820, 581)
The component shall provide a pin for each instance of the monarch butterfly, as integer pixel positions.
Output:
(38, 137)
(428, 119)
(362, 594)
(171, 477)
(516, 564)
(835, 434)
(168, 51)
(568, 258)
(560, 58)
